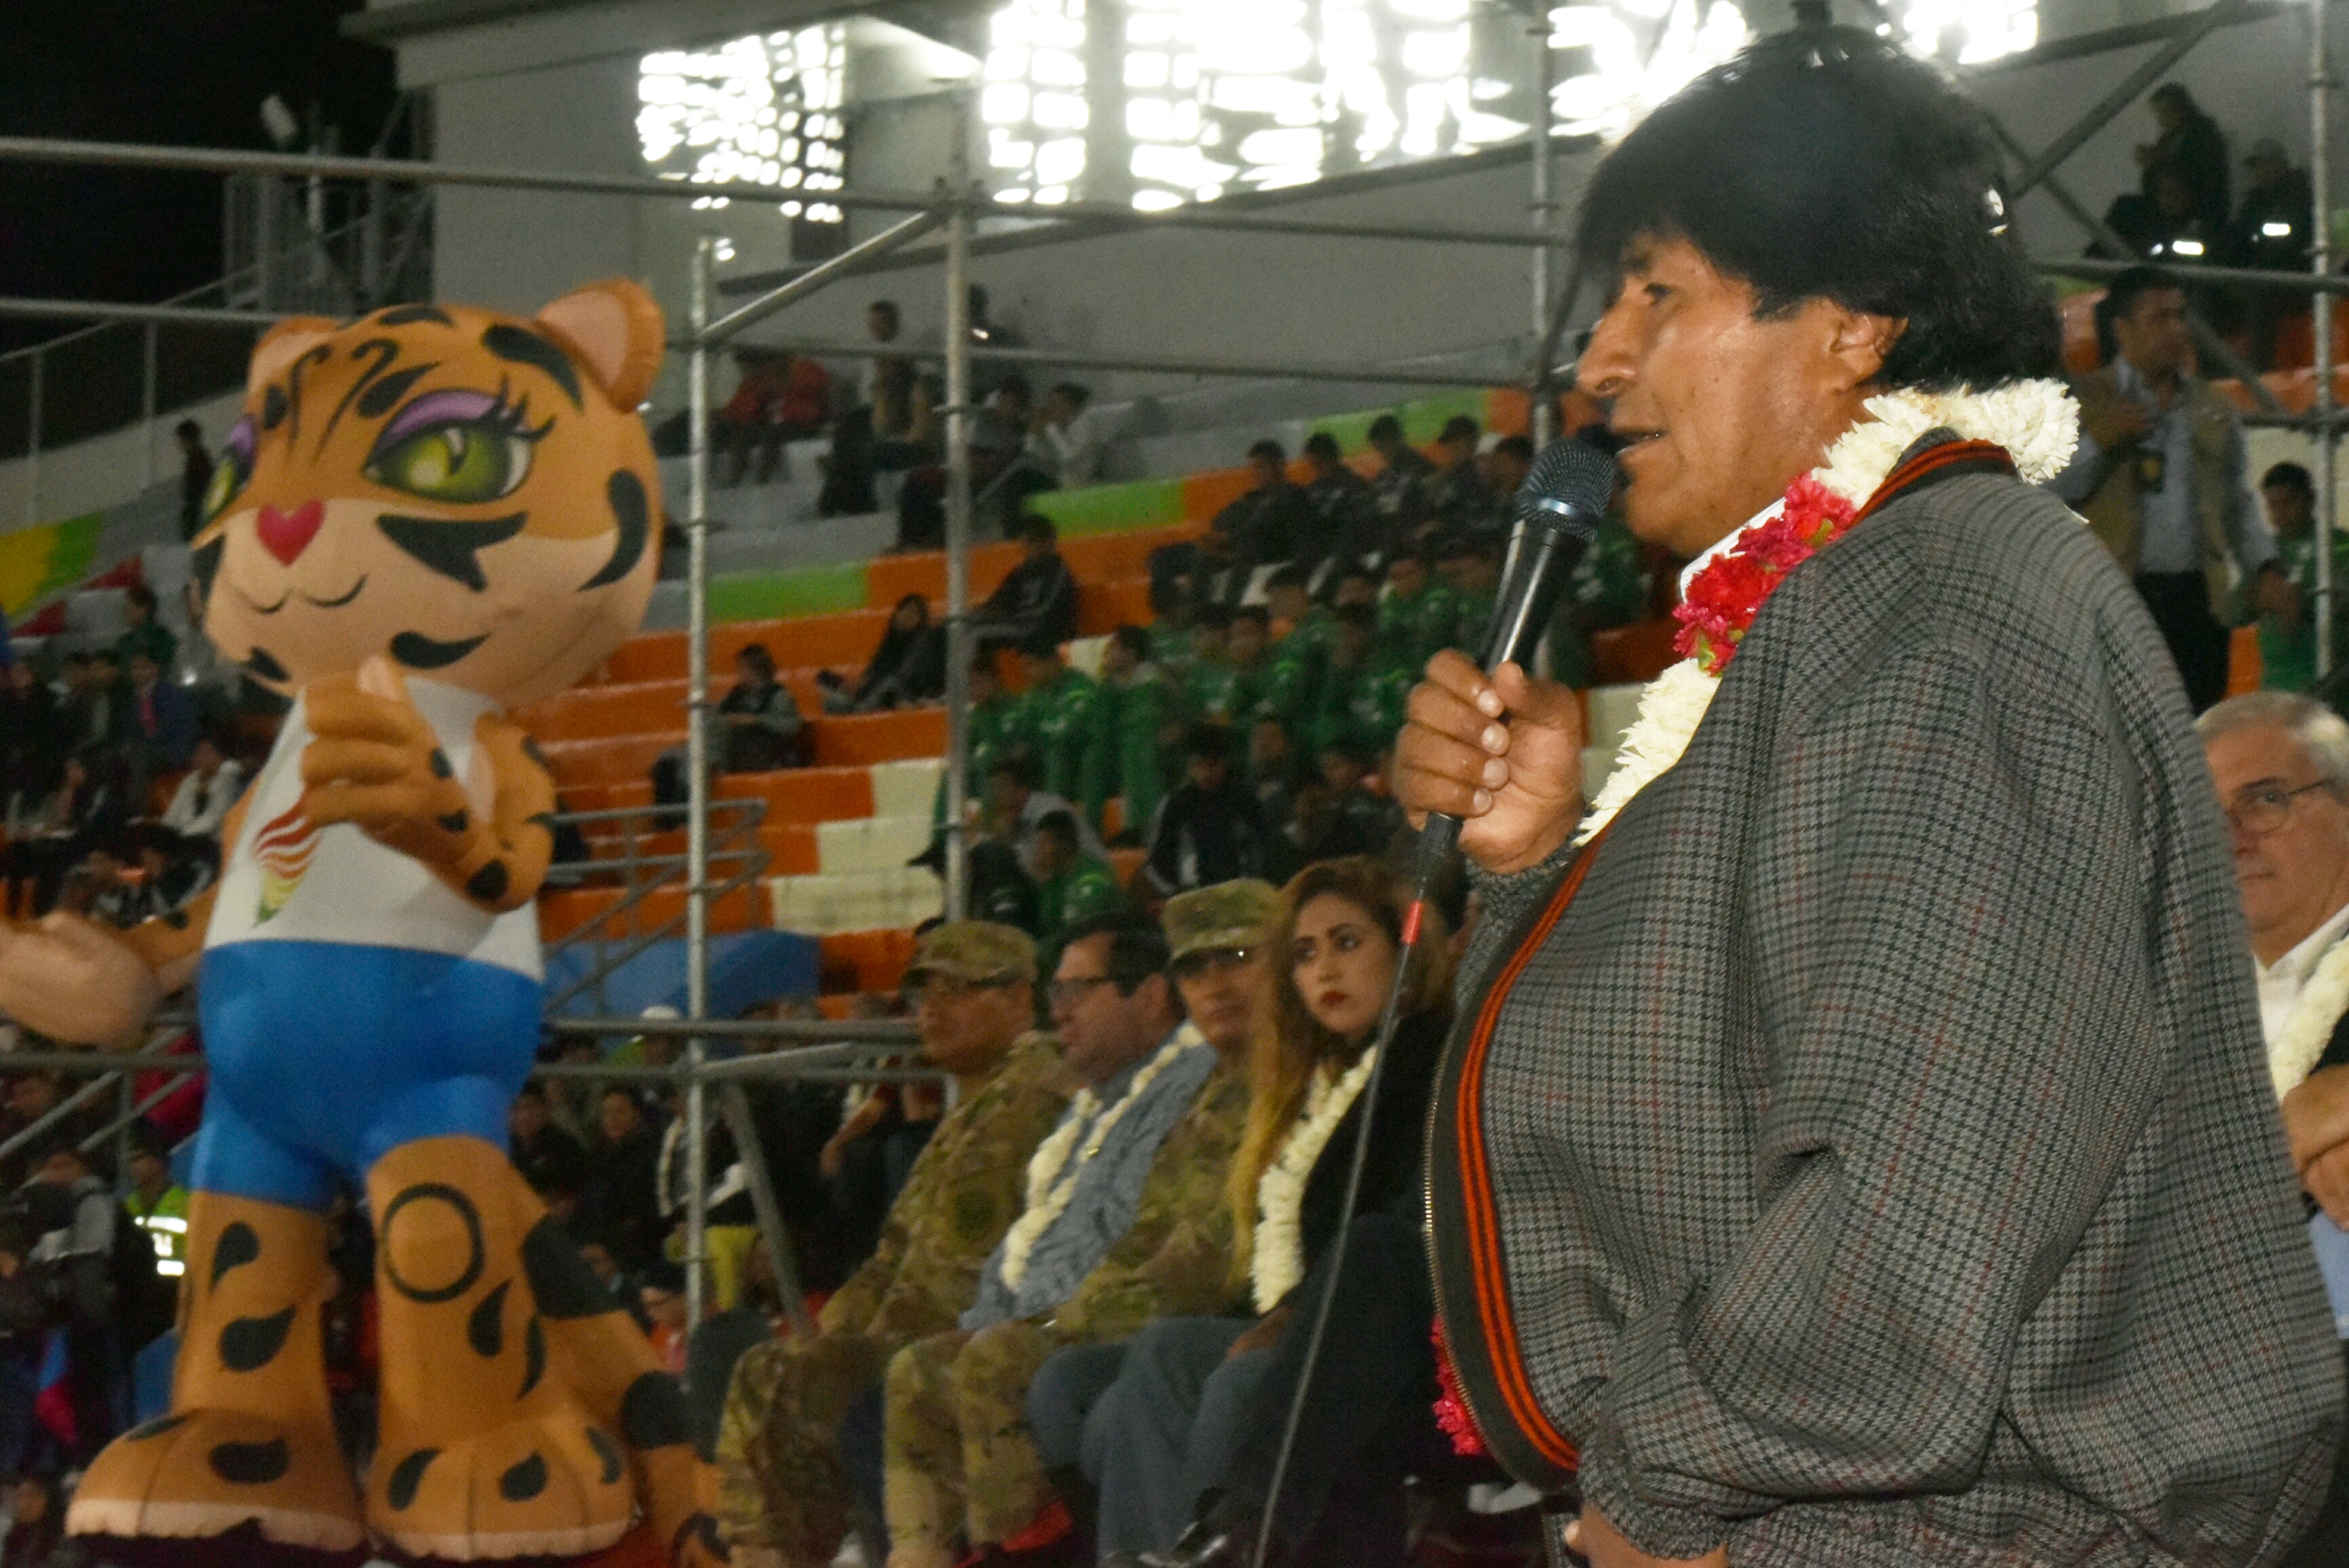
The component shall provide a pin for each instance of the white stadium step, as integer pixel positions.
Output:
(831, 903)
(871, 843)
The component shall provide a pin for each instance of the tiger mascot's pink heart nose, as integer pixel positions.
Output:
(286, 534)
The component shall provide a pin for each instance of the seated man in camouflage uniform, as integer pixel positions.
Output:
(1125, 1221)
(784, 1499)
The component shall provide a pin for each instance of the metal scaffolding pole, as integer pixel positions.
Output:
(1085, 218)
(1543, 413)
(849, 261)
(697, 771)
(1075, 359)
(2328, 437)
(33, 444)
(957, 327)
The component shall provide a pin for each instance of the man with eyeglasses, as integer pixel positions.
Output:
(1125, 1221)
(785, 1495)
(2281, 761)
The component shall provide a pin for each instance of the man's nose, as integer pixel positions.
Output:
(1606, 365)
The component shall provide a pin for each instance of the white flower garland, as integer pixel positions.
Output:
(2036, 421)
(1277, 1261)
(1049, 1194)
(2293, 1054)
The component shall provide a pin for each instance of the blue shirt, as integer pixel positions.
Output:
(2168, 537)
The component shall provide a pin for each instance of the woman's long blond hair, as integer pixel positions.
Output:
(1290, 1042)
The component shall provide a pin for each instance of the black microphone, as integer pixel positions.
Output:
(1558, 509)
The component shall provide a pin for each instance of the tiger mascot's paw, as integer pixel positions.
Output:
(553, 1485)
(202, 1474)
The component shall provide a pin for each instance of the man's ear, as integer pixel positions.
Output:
(615, 329)
(1863, 342)
(282, 344)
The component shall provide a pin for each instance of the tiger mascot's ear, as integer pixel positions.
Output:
(615, 329)
(282, 344)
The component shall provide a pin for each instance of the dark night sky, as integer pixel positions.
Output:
(182, 72)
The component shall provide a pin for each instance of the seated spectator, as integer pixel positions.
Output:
(1278, 777)
(909, 667)
(1363, 688)
(1072, 887)
(783, 1495)
(780, 397)
(1226, 683)
(95, 711)
(141, 633)
(1344, 817)
(169, 869)
(1124, 1221)
(553, 1162)
(83, 811)
(661, 1292)
(2281, 763)
(1064, 441)
(1609, 587)
(2193, 149)
(1345, 522)
(1054, 719)
(1506, 467)
(1456, 497)
(1400, 487)
(36, 1527)
(1017, 803)
(758, 729)
(1470, 564)
(1207, 829)
(32, 742)
(2273, 230)
(1357, 586)
(2288, 633)
(1037, 600)
(1419, 614)
(1192, 1415)
(618, 1206)
(993, 732)
(156, 1203)
(1133, 708)
(715, 1345)
(102, 1282)
(162, 726)
(201, 801)
(1001, 475)
(881, 433)
(1265, 524)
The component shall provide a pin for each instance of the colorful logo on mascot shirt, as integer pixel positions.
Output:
(284, 849)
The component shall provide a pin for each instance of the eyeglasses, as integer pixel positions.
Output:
(1068, 992)
(1212, 961)
(2264, 807)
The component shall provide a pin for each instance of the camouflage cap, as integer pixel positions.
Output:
(976, 950)
(1219, 918)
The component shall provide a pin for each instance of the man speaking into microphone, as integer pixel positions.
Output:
(1856, 1147)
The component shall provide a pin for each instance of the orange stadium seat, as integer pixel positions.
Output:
(1103, 608)
(880, 737)
(804, 794)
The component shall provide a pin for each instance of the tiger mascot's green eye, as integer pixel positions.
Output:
(456, 463)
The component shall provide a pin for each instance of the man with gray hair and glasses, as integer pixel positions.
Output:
(2280, 762)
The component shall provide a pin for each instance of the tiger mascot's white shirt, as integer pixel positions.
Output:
(284, 880)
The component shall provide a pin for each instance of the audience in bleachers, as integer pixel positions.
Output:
(778, 397)
(1037, 600)
(1400, 485)
(1208, 830)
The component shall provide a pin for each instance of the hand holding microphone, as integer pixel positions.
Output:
(1494, 761)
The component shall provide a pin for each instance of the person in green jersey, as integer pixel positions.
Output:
(1362, 691)
(1130, 725)
(1054, 718)
(1470, 565)
(2288, 636)
(1071, 886)
(1292, 666)
(1418, 613)
(1609, 587)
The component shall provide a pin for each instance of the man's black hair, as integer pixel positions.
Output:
(1370, 575)
(1459, 427)
(1213, 618)
(1020, 766)
(1828, 164)
(1321, 444)
(2122, 292)
(188, 429)
(1134, 639)
(1269, 448)
(2176, 94)
(2291, 476)
(1035, 528)
(140, 593)
(1385, 428)
(887, 307)
(1357, 615)
(1137, 947)
(1207, 742)
(756, 654)
(1290, 576)
(532, 1089)
(1519, 446)
(1061, 825)
(1256, 613)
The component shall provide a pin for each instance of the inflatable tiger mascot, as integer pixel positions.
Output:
(424, 519)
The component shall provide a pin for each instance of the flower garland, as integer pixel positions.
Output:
(1277, 1261)
(1052, 1175)
(2036, 421)
(2300, 1044)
